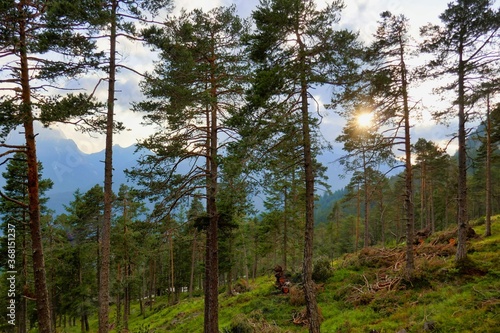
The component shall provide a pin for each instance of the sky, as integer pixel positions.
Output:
(359, 15)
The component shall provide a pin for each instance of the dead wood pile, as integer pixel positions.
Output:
(389, 264)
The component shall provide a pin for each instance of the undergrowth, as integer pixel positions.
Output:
(366, 293)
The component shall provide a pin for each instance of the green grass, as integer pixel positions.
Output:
(453, 300)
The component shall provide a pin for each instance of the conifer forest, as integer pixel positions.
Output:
(230, 219)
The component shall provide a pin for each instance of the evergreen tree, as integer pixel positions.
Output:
(78, 255)
(367, 150)
(195, 212)
(383, 93)
(119, 20)
(431, 167)
(40, 43)
(465, 48)
(195, 87)
(127, 251)
(296, 47)
(15, 216)
(486, 160)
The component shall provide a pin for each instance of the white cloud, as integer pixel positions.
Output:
(197, 4)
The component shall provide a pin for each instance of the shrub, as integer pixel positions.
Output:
(241, 286)
(322, 270)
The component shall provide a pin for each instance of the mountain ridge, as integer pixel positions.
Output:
(71, 169)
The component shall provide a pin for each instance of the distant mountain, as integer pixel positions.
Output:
(71, 169)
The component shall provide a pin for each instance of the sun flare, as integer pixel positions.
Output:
(365, 119)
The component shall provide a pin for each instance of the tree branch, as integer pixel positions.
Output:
(17, 202)
(132, 70)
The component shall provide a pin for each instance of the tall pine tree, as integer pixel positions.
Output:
(197, 84)
(296, 48)
(41, 42)
(465, 49)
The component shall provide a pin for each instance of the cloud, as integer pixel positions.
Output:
(197, 4)
(359, 15)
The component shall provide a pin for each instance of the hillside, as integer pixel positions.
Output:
(365, 293)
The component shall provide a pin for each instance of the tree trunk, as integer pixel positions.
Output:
(118, 297)
(42, 299)
(230, 282)
(423, 175)
(211, 266)
(108, 183)
(126, 302)
(432, 215)
(172, 268)
(358, 217)
(126, 268)
(366, 236)
(382, 223)
(285, 229)
(23, 307)
(255, 255)
(408, 192)
(211, 323)
(309, 292)
(462, 218)
(231, 261)
(245, 256)
(193, 265)
(487, 232)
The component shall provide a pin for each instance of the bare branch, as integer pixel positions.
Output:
(12, 150)
(132, 70)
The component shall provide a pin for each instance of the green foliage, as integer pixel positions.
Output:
(197, 85)
(14, 215)
(144, 329)
(199, 75)
(84, 111)
(322, 270)
(460, 303)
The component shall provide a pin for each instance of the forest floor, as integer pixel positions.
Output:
(365, 293)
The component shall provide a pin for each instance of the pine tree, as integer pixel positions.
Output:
(41, 43)
(465, 48)
(295, 48)
(127, 242)
(195, 87)
(367, 150)
(386, 96)
(119, 17)
(195, 212)
(77, 275)
(14, 213)
(431, 162)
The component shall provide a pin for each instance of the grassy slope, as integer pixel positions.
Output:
(365, 293)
